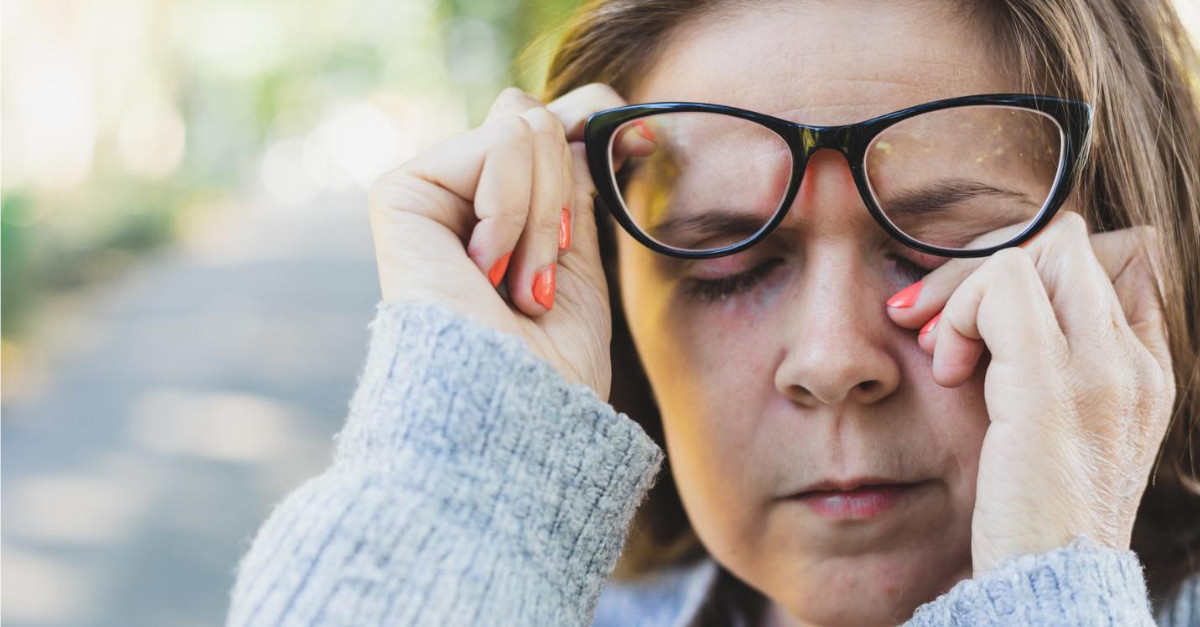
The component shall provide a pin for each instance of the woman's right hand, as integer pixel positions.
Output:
(484, 210)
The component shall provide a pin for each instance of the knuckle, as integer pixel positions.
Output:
(1013, 261)
(512, 221)
(514, 94)
(513, 128)
(386, 189)
(1069, 232)
(395, 198)
(548, 220)
(1153, 380)
(384, 181)
(1072, 221)
(600, 91)
(543, 121)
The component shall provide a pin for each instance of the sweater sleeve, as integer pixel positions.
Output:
(471, 485)
(1080, 584)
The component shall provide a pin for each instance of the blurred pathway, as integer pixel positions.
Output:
(209, 383)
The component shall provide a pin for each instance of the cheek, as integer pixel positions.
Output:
(956, 418)
(713, 390)
(709, 368)
(715, 407)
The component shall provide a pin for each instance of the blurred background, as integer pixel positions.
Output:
(187, 267)
(188, 271)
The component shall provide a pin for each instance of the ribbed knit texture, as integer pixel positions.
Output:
(1183, 610)
(1079, 584)
(473, 485)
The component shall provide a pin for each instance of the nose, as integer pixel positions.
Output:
(834, 353)
(836, 349)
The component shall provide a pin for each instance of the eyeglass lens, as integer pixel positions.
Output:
(963, 178)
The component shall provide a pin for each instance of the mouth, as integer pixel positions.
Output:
(856, 499)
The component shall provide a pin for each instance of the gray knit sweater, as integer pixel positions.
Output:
(473, 485)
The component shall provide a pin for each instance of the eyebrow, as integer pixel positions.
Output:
(916, 202)
(939, 196)
(714, 221)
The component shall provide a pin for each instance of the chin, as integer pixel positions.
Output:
(876, 588)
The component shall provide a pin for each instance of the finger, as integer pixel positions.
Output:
(913, 306)
(534, 262)
(1079, 290)
(568, 201)
(574, 107)
(635, 139)
(1005, 306)
(1073, 277)
(584, 238)
(511, 101)
(1132, 259)
(487, 171)
(502, 199)
(532, 289)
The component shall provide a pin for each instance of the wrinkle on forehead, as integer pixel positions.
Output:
(824, 63)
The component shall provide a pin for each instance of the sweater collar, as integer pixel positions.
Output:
(671, 596)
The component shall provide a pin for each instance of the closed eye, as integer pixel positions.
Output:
(713, 290)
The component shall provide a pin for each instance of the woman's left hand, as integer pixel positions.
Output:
(1079, 387)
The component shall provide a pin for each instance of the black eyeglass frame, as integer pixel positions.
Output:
(1074, 117)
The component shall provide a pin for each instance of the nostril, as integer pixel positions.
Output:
(869, 387)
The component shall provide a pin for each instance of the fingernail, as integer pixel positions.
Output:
(906, 297)
(564, 230)
(498, 268)
(929, 326)
(643, 130)
(543, 287)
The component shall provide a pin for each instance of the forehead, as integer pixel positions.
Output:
(825, 62)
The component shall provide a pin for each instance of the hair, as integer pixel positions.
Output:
(1134, 62)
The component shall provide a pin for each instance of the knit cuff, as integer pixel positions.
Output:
(471, 416)
(1082, 583)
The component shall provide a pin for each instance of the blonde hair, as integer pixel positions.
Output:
(1134, 62)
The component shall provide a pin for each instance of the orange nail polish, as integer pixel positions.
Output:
(498, 268)
(906, 297)
(543, 287)
(643, 129)
(564, 230)
(929, 326)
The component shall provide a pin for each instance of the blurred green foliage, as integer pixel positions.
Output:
(284, 66)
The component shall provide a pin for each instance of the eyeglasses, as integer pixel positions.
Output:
(961, 177)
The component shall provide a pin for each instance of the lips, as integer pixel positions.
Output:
(855, 499)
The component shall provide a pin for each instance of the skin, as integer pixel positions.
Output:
(1030, 411)
(805, 377)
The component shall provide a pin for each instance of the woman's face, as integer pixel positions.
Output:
(803, 378)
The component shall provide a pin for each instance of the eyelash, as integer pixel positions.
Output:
(914, 271)
(712, 290)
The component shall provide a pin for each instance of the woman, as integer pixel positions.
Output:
(858, 432)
